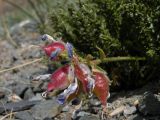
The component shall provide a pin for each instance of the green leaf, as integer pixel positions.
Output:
(101, 53)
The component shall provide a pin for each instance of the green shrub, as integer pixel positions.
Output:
(120, 28)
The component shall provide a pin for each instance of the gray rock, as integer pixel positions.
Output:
(149, 105)
(36, 85)
(82, 113)
(66, 108)
(129, 110)
(95, 102)
(38, 96)
(135, 117)
(18, 88)
(89, 118)
(46, 109)
(2, 94)
(17, 106)
(28, 94)
(24, 115)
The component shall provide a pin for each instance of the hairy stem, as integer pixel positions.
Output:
(117, 59)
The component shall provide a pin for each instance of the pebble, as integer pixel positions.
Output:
(2, 94)
(82, 113)
(86, 117)
(18, 88)
(129, 110)
(46, 109)
(17, 106)
(24, 115)
(28, 94)
(149, 105)
(66, 108)
(38, 96)
(95, 102)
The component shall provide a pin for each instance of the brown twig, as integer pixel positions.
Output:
(7, 33)
(22, 65)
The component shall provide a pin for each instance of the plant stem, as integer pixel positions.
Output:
(117, 59)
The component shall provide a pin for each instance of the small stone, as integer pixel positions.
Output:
(38, 96)
(117, 111)
(149, 105)
(86, 117)
(129, 110)
(28, 94)
(135, 117)
(17, 88)
(95, 102)
(24, 115)
(66, 108)
(2, 94)
(17, 106)
(14, 98)
(46, 109)
(82, 113)
(36, 85)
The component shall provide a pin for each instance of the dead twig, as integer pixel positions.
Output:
(22, 65)
(7, 33)
(8, 115)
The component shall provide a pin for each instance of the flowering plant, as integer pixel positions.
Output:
(77, 75)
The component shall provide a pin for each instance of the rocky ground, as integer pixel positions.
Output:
(20, 92)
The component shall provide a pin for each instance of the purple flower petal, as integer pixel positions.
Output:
(55, 53)
(91, 83)
(61, 99)
(69, 48)
(67, 92)
(47, 37)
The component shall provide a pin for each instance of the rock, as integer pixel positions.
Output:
(95, 102)
(129, 110)
(82, 113)
(2, 94)
(36, 85)
(117, 111)
(66, 108)
(86, 117)
(14, 98)
(24, 115)
(149, 105)
(95, 110)
(46, 109)
(38, 96)
(28, 94)
(135, 117)
(17, 88)
(17, 106)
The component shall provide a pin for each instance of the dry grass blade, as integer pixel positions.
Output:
(7, 33)
(32, 4)
(19, 7)
(22, 65)
(8, 115)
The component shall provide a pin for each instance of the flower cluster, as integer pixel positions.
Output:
(75, 76)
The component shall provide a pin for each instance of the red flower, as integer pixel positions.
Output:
(82, 72)
(53, 47)
(101, 88)
(59, 79)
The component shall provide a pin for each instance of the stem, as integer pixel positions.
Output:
(22, 65)
(117, 59)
